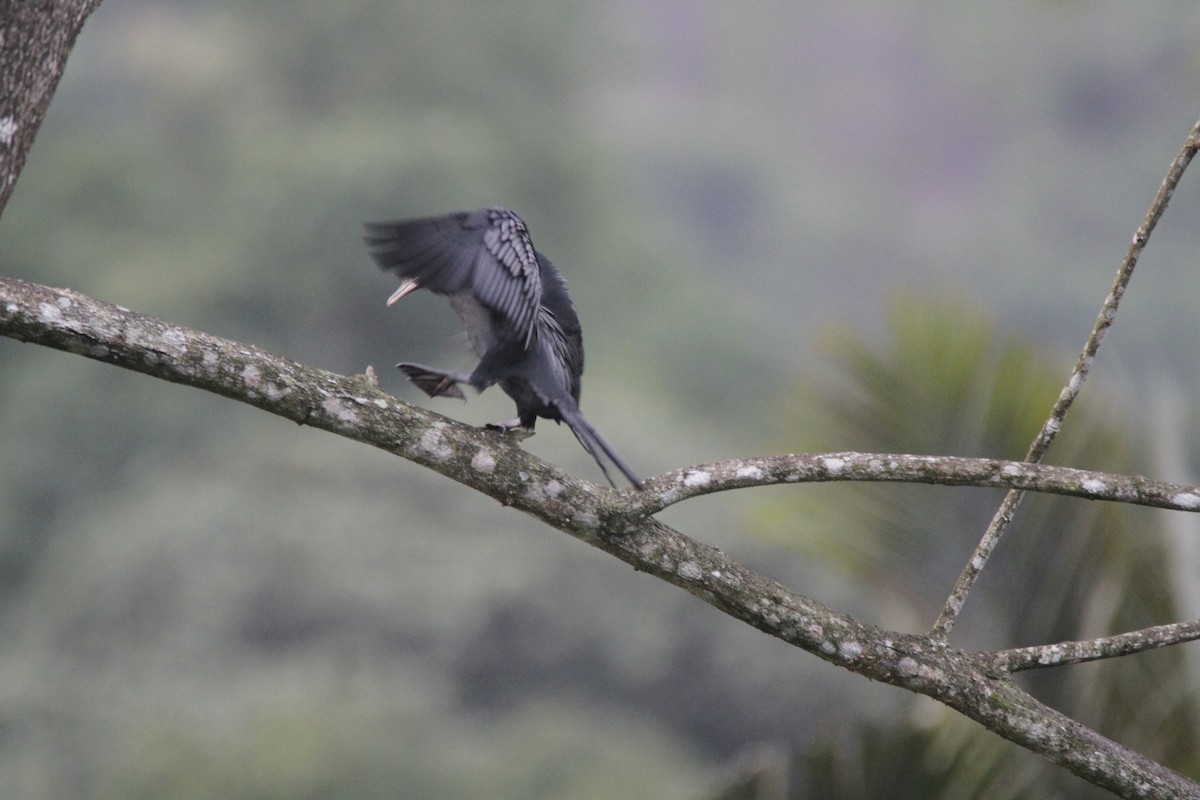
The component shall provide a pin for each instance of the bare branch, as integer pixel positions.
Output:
(1053, 423)
(681, 484)
(609, 520)
(1062, 653)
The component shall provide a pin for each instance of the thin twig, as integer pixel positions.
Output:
(1002, 519)
(1122, 644)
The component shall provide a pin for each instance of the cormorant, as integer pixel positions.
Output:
(514, 305)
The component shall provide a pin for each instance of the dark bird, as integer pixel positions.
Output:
(515, 307)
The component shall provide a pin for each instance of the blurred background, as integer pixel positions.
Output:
(786, 227)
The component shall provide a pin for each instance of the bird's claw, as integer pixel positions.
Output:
(511, 427)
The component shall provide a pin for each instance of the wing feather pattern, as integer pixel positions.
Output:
(486, 252)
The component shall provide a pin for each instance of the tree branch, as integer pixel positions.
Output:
(741, 473)
(616, 522)
(1052, 425)
(1062, 653)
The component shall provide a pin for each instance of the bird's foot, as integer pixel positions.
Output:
(435, 382)
(512, 427)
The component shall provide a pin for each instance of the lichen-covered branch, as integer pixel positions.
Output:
(619, 523)
(1122, 644)
(352, 407)
(741, 473)
(1050, 428)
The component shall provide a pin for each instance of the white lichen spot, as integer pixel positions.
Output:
(1094, 486)
(1189, 500)
(906, 667)
(716, 573)
(697, 478)
(379, 402)
(1039, 731)
(340, 411)
(689, 571)
(670, 497)
(175, 339)
(8, 129)
(929, 673)
(828, 648)
(647, 551)
(135, 334)
(276, 392)
(1011, 470)
(483, 461)
(978, 562)
(875, 465)
(1050, 655)
(48, 312)
(554, 489)
(251, 375)
(587, 519)
(10, 308)
(431, 441)
(98, 351)
(64, 302)
(850, 650)
(754, 473)
(834, 466)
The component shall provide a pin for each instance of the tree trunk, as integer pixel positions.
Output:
(35, 40)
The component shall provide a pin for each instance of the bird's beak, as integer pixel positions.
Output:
(408, 285)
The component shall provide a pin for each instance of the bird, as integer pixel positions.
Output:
(514, 304)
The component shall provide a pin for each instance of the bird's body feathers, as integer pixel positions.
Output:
(514, 304)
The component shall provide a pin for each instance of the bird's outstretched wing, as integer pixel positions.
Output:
(487, 252)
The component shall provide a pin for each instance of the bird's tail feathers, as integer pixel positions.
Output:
(594, 443)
